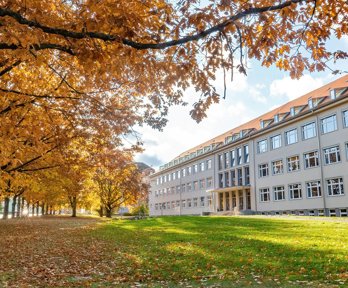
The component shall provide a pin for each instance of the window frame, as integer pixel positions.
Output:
(315, 130)
(287, 163)
(266, 170)
(326, 117)
(320, 189)
(345, 120)
(274, 193)
(337, 154)
(258, 146)
(280, 141)
(340, 184)
(286, 136)
(262, 193)
(291, 190)
(304, 159)
(282, 165)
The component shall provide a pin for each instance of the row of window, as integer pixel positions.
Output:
(186, 203)
(338, 212)
(196, 168)
(234, 157)
(331, 155)
(188, 187)
(234, 177)
(334, 186)
(327, 125)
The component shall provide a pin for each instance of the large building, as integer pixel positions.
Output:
(291, 160)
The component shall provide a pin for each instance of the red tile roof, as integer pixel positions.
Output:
(255, 123)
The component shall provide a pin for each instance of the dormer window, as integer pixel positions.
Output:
(276, 118)
(310, 103)
(292, 111)
(262, 124)
(333, 94)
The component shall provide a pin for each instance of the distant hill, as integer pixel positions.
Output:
(142, 166)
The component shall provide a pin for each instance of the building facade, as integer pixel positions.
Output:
(291, 160)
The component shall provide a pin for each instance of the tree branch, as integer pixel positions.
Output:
(141, 46)
(37, 47)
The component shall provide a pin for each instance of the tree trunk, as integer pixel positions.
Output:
(32, 209)
(101, 211)
(42, 209)
(14, 201)
(28, 208)
(46, 209)
(6, 207)
(22, 207)
(73, 204)
(37, 208)
(108, 211)
(18, 212)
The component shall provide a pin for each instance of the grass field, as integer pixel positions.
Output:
(175, 252)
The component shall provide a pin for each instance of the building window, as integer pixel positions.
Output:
(277, 167)
(332, 155)
(233, 178)
(262, 146)
(202, 201)
(195, 202)
(195, 185)
(183, 187)
(276, 142)
(195, 168)
(345, 118)
(233, 158)
(279, 193)
(183, 172)
(183, 203)
(263, 170)
(313, 189)
(221, 180)
(201, 184)
(247, 175)
(189, 203)
(264, 195)
(293, 163)
(189, 170)
(210, 201)
(209, 164)
(227, 179)
(246, 153)
(239, 177)
(227, 160)
(309, 131)
(202, 166)
(188, 187)
(220, 160)
(311, 159)
(239, 156)
(177, 203)
(335, 187)
(209, 182)
(178, 189)
(347, 151)
(291, 136)
(295, 191)
(329, 124)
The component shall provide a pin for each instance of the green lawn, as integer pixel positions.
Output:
(230, 251)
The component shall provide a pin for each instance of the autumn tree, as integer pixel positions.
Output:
(119, 182)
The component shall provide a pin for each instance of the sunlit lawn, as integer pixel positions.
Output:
(174, 252)
(231, 251)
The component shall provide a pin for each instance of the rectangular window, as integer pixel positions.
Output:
(279, 193)
(201, 184)
(169, 177)
(239, 156)
(313, 189)
(173, 204)
(195, 185)
(345, 118)
(277, 167)
(291, 137)
(263, 170)
(221, 180)
(209, 182)
(264, 195)
(262, 146)
(183, 172)
(220, 160)
(311, 159)
(295, 191)
(195, 202)
(210, 201)
(202, 166)
(276, 142)
(239, 177)
(202, 201)
(188, 187)
(328, 124)
(309, 131)
(293, 163)
(183, 203)
(178, 203)
(233, 158)
(189, 203)
(183, 187)
(233, 178)
(195, 168)
(227, 179)
(209, 164)
(178, 174)
(178, 189)
(189, 170)
(332, 155)
(227, 159)
(246, 153)
(247, 175)
(335, 187)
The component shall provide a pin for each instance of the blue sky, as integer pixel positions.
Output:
(247, 97)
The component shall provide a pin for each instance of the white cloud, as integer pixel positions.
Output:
(292, 89)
